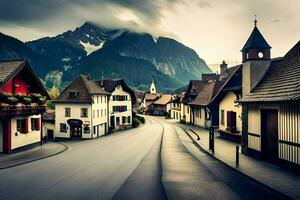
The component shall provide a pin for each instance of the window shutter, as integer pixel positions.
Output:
(26, 126)
(38, 124)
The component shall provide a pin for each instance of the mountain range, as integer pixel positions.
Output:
(108, 53)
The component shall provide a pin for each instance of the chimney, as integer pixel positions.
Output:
(223, 67)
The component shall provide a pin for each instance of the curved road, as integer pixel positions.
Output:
(155, 161)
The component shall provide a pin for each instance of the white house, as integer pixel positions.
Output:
(120, 103)
(81, 110)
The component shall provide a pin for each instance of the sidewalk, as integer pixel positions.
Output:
(37, 153)
(268, 174)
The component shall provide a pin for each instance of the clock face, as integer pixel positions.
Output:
(260, 54)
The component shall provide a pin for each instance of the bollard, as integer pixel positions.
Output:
(211, 139)
(237, 156)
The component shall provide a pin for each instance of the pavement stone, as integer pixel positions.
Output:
(270, 175)
(26, 156)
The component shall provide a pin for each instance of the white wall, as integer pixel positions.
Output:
(200, 118)
(186, 111)
(99, 121)
(75, 114)
(119, 91)
(21, 139)
(100, 105)
(227, 104)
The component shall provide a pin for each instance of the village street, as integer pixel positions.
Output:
(156, 161)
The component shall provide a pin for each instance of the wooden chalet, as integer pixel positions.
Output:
(22, 102)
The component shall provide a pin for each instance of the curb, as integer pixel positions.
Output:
(237, 170)
(41, 158)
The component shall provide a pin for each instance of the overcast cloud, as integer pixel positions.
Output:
(216, 29)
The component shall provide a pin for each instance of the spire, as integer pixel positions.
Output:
(255, 20)
(256, 40)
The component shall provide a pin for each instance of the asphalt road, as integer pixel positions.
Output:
(155, 161)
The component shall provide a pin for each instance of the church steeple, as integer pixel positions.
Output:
(256, 47)
(152, 87)
(256, 59)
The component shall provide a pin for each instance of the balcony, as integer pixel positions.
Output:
(12, 111)
(18, 105)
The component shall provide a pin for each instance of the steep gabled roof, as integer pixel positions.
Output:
(110, 85)
(234, 81)
(195, 86)
(11, 68)
(84, 88)
(281, 82)
(207, 93)
(256, 40)
(163, 100)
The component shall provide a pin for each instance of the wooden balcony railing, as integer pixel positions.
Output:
(19, 111)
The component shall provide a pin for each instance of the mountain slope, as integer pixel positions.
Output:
(137, 72)
(12, 48)
(90, 49)
(168, 55)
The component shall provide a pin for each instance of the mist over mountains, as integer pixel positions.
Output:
(108, 53)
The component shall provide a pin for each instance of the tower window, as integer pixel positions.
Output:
(260, 54)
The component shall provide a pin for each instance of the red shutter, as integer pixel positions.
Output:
(26, 126)
(38, 125)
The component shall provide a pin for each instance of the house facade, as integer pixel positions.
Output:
(81, 110)
(22, 98)
(175, 107)
(120, 103)
(162, 106)
(230, 112)
(271, 103)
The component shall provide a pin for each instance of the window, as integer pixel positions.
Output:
(84, 112)
(119, 108)
(101, 99)
(97, 99)
(118, 121)
(67, 112)
(101, 112)
(97, 113)
(105, 112)
(123, 120)
(188, 110)
(222, 117)
(128, 120)
(22, 125)
(63, 127)
(200, 113)
(73, 95)
(35, 124)
(104, 99)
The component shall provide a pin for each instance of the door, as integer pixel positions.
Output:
(112, 121)
(50, 134)
(269, 135)
(76, 131)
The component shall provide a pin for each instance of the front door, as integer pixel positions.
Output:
(269, 135)
(76, 131)
(112, 121)
(50, 134)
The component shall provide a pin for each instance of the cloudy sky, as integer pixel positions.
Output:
(216, 29)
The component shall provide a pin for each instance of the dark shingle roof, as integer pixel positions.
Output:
(8, 67)
(281, 82)
(84, 89)
(110, 85)
(207, 93)
(256, 40)
(209, 89)
(11, 68)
